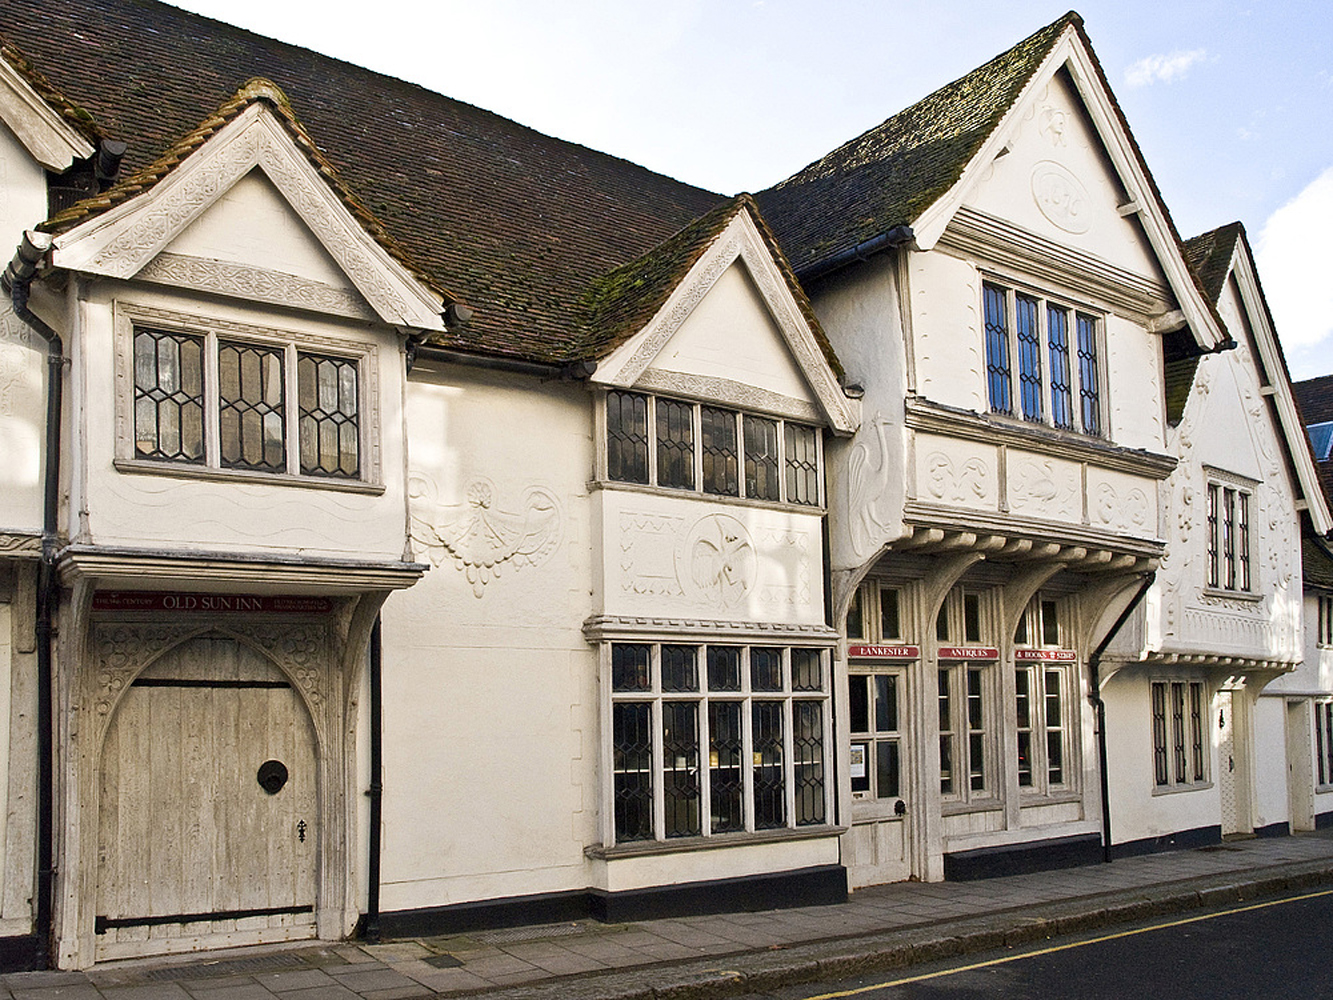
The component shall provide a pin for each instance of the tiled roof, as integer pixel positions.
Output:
(891, 174)
(1315, 398)
(1209, 256)
(515, 223)
(621, 303)
(76, 116)
(257, 90)
(1316, 564)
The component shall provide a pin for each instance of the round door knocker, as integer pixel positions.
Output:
(272, 776)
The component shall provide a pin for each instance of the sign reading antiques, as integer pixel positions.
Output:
(969, 653)
(225, 604)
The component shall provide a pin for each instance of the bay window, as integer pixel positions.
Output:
(710, 739)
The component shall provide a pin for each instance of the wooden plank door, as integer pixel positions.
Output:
(193, 850)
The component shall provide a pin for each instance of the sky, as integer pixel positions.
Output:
(1231, 103)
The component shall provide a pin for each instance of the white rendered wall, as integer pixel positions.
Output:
(1137, 811)
(490, 689)
(866, 474)
(22, 352)
(1056, 181)
(1271, 805)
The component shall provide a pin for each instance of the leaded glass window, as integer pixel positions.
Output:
(168, 396)
(1057, 340)
(1029, 356)
(627, 437)
(997, 349)
(329, 420)
(802, 456)
(675, 444)
(250, 407)
(717, 433)
(761, 459)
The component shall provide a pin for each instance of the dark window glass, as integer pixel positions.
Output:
(890, 627)
(1088, 389)
(250, 407)
(769, 797)
(726, 779)
(680, 668)
(856, 628)
(1159, 754)
(1023, 700)
(627, 437)
(976, 736)
(632, 752)
(1050, 623)
(997, 349)
(1055, 747)
(329, 428)
(808, 761)
(168, 396)
(802, 464)
(942, 624)
(761, 459)
(717, 435)
(971, 618)
(724, 668)
(1057, 340)
(629, 668)
(1029, 355)
(675, 444)
(807, 670)
(886, 704)
(680, 768)
(765, 669)
(1214, 535)
(886, 769)
(858, 708)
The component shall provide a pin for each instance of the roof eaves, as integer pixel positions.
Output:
(77, 118)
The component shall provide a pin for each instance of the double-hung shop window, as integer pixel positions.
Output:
(1179, 714)
(1042, 683)
(966, 699)
(1042, 360)
(671, 443)
(1323, 741)
(1228, 537)
(213, 401)
(716, 739)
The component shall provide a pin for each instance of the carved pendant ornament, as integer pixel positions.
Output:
(478, 537)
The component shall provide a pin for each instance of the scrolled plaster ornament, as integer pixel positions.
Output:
(1037, 485)
(867, 485)
(720, 560)
(961, 484)
(479, 538)
(1115, 511)
(1061, 197)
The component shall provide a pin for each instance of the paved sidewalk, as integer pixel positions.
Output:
(696, 957)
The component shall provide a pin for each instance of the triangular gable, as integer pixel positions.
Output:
(121, 233)
(1274, 374)
(737, 265)
(1073, 53)
(48, 137)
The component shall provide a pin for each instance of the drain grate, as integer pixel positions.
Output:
(231, 967)
(531, 933)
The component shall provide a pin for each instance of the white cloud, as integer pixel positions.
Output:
(1163, 68)
(1295, 260)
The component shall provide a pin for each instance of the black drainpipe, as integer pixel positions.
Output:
(17, 279)
(1099, 706)
(371, 928)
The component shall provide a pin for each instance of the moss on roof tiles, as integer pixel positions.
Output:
(513, 222)
(891, 174)
(619, 304)
(75, 116)
(256, 90)
(1209, 257)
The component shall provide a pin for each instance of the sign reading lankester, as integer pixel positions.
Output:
(226, 604)
(969, 653)
(1058, 655)
(884, 652)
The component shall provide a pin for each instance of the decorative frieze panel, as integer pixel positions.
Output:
(254, 284)
(1044, 487)
(488, 531)
(688, 559)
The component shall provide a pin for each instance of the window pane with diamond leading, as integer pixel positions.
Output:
(675, 444)
(168, 396)
(627, 437)
(802, 457)
(328, 420)
(717, 433)
(250, 407)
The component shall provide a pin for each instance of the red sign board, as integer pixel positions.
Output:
(1046, 655)
(884, 652)
(969, 653)
(224, 604)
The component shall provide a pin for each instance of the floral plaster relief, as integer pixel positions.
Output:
(478, 536)
(1044, 488)
(965, 481)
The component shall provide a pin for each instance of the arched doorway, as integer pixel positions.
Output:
(208, 806)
